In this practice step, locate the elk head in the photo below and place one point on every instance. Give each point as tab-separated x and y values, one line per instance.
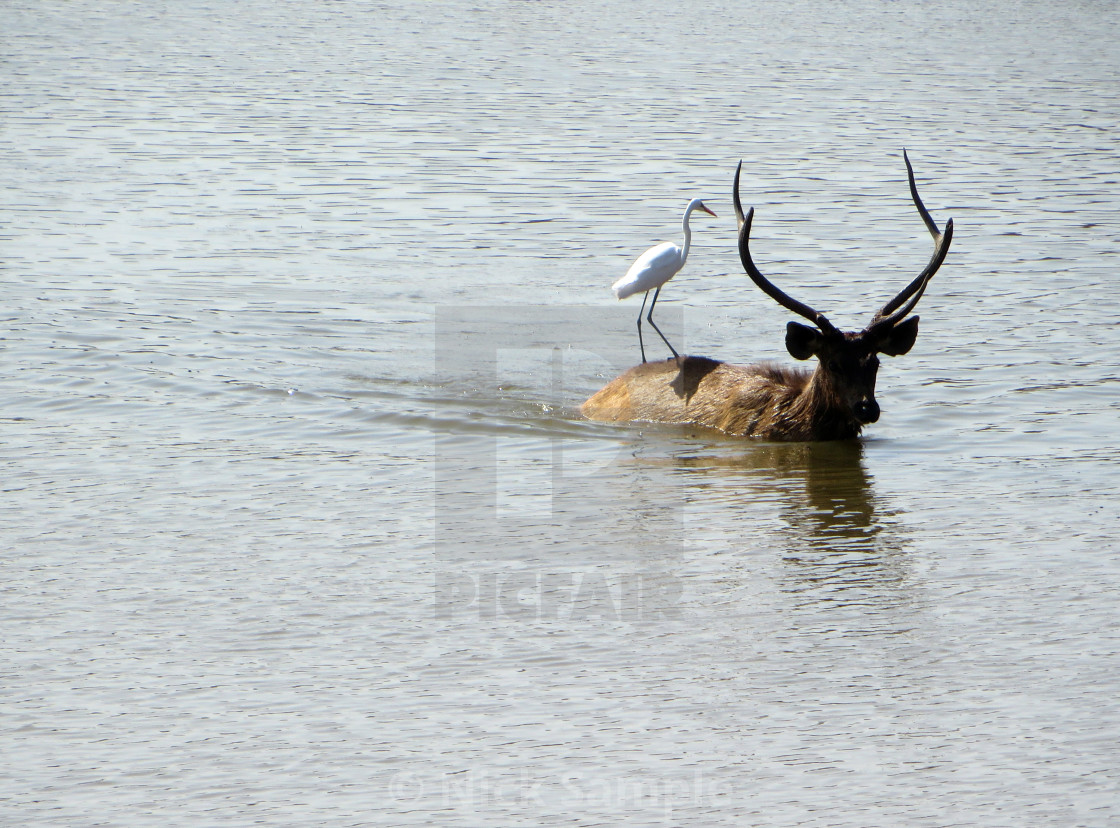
849	362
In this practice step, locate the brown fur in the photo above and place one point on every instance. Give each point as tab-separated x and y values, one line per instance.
766	401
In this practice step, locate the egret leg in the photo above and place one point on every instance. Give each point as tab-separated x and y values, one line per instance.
640	310
649	318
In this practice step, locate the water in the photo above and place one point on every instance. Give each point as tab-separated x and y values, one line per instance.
301	525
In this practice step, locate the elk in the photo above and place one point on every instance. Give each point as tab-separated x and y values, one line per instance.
834	401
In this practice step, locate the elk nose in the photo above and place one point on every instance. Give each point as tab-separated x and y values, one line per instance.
867	411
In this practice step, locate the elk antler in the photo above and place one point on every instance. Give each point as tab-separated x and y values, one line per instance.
787	302
896	310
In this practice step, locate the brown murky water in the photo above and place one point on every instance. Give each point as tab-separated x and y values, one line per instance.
301	524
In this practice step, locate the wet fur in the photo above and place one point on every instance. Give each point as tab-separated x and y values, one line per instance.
766	401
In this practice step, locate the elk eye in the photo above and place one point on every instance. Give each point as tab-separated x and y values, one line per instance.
834	366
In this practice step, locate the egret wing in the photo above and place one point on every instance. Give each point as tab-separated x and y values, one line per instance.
651	270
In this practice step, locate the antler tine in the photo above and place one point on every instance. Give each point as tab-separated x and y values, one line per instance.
926	276
769	289
898	307
739	219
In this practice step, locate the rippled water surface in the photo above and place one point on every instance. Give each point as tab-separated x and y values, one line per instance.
301	524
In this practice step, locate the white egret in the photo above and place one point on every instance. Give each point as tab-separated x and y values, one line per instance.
652	270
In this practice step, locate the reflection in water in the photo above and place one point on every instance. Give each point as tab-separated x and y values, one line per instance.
839	537
831	504
835	532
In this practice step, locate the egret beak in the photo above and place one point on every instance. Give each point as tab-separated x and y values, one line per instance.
709	212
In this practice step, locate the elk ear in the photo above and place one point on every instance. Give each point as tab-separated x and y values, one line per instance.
802	341
899	339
